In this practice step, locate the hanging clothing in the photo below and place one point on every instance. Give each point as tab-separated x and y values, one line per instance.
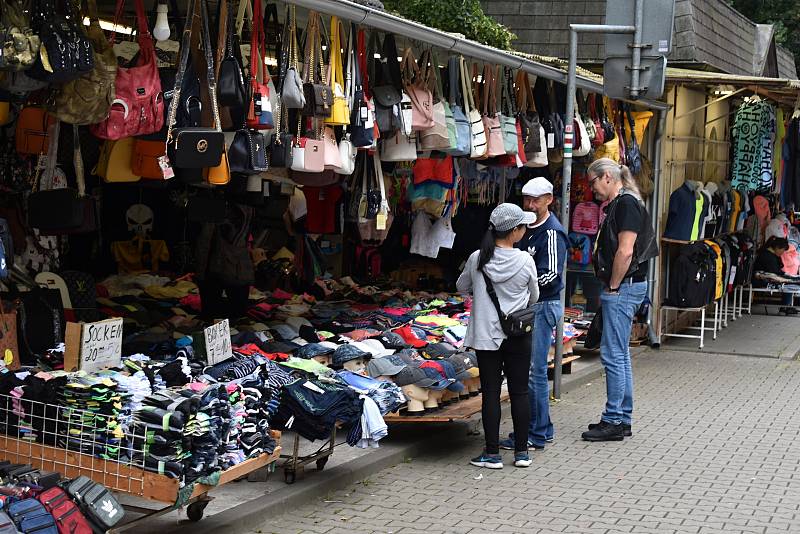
683	217
754	138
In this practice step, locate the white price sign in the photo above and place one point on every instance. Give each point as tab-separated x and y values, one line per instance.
101	345
218	342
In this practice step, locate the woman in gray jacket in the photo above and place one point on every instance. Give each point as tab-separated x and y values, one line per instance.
513	276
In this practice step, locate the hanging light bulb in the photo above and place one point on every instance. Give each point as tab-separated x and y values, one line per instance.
161	30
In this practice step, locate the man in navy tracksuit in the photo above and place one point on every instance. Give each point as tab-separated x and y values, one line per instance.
547	242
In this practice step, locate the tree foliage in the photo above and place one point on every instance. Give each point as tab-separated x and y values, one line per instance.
784	14
455	16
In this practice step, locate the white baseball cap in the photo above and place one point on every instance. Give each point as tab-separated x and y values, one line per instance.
537	187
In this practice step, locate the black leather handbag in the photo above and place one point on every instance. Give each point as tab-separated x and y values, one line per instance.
195	147
69	53
514	324
317	92
248	152
230	86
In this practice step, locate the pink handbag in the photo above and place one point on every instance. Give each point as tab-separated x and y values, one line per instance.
333	158
138	105
416	82
308	155
491	118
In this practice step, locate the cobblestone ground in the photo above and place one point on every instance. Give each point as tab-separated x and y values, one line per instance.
715	449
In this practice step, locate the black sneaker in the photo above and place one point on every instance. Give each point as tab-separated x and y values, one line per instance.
626	428
604	432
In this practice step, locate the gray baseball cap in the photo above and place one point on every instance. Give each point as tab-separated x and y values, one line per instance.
508	216
386	366
413	376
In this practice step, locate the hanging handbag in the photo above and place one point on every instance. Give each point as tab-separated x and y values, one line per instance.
633	156
221	174
607	126
588	122
340	114
21	44
476	126
463	135
65	51
347	154
138	105
386	83
145	158
230	81
530	126
399	147
538	159
280	150
438	170
374	231
248	152
508	118
582	144
259	115
319	97
362	118
195	147
292	95
308	154
115	164
437	137
491	118
33	125
333	159
416	84
87	99
599	133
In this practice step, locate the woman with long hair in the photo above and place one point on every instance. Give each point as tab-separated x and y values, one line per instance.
512	274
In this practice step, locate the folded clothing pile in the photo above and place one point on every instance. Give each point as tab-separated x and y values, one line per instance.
89	418
311	407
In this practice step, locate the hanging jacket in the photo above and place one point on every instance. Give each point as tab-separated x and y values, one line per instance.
681	215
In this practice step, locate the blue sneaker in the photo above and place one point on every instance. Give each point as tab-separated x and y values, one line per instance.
521	459
492	461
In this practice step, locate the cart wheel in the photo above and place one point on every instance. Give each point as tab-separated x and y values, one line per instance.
195	510
289	476
321	463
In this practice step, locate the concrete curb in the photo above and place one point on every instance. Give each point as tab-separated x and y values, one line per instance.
252	514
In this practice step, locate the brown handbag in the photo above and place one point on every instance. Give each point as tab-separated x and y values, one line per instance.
87	100
31	132
144	159
9	347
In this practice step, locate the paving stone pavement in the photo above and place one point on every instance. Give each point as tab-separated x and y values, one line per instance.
714	450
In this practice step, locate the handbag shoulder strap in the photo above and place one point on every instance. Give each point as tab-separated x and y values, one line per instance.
392	74
454	81
379	176
245	7
492	295
352	67
362	67
438	92
469	103
487	89
45	181
336	64
409	67
142	31
78	161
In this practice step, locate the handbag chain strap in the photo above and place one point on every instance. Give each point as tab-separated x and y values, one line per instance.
184	58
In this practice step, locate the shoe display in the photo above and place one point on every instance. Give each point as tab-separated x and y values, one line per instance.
626	428
604	432
491	461
521	459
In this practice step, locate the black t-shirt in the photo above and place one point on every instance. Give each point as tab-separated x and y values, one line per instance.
628	217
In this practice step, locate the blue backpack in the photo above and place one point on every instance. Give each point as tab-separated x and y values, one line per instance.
580	249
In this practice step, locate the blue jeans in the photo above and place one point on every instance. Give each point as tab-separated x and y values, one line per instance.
547	315
618	311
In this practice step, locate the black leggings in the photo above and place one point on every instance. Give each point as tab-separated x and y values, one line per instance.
513	359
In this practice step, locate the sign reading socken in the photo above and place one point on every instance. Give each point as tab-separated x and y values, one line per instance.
91	347
218	342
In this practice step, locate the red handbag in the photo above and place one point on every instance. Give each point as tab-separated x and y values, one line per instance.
259	116
437	170
138	106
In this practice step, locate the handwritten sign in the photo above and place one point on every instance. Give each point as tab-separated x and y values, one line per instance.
91	347
218	342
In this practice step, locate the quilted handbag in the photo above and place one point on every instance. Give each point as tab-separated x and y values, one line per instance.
340	113
318	94
88	98
416	84
491	118
138	105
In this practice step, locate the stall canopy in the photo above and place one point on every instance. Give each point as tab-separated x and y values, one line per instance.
781	90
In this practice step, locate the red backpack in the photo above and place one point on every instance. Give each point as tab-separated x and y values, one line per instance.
69	519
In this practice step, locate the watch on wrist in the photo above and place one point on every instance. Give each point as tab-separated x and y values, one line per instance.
613	289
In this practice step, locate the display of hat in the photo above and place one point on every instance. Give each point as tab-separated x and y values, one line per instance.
413	376
284	332
386	366
438	350
392	340
411	336
462	364
312	349
348	352
439	383
376	348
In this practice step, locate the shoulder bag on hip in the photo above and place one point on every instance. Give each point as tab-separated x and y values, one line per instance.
514	324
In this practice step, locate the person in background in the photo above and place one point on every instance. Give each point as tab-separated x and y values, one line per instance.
769	260
547	242
512	273
625	243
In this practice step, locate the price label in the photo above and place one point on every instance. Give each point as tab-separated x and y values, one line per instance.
101	345
218	342
380	221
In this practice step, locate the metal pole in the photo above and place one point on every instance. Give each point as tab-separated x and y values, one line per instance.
637	49
655	212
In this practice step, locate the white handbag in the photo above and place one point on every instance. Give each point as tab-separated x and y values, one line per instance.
347	153
438	136
308	155
333	160
586	143
478	146
539	159
399	147
406	113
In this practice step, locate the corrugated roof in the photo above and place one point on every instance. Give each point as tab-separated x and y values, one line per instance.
783	90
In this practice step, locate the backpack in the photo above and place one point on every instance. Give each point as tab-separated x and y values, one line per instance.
580	249
96	501
368	262
586	218
68	518
30	516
